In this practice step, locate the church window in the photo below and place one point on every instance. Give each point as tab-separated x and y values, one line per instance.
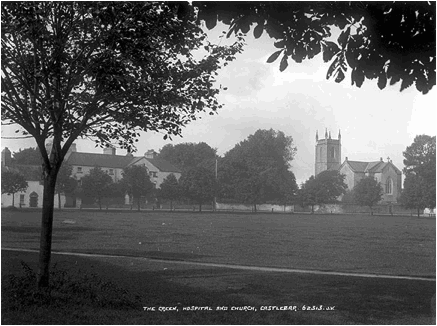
332	152
389	186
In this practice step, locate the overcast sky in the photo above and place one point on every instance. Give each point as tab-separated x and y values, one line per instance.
299	101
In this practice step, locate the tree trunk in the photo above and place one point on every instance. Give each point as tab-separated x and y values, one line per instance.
139	203
13	199
59	200
418	212
254	208
100	203
171	205
46	229
200	207
312	209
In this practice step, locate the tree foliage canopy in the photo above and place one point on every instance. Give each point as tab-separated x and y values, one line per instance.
13	182
187	155
198	185
388	41
420	171
367	192
95	185
136	180
169	189
105	70
27	156
257	169
415	194
325	188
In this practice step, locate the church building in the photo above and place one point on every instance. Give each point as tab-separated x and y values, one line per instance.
328	157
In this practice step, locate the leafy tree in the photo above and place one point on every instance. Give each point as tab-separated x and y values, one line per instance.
367	192
325	188
198	185
414	194
96	184
308	194
13	182
187	155
65	184
137	182
102	70
115	193
388	41
170	190
27	156
255	170
420	160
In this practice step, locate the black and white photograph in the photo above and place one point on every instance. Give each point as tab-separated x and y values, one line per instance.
218	162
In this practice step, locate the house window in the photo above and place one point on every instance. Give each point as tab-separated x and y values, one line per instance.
79	169
21	200
153	174
389	186
111	171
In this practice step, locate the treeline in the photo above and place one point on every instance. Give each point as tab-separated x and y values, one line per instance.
256	171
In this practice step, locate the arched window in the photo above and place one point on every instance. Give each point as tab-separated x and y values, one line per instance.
389	186
332	152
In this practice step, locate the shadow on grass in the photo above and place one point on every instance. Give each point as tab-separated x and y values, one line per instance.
356	300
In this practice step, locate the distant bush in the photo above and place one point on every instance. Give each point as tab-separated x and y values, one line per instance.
66	289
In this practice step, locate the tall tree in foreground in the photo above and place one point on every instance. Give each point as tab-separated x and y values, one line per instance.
389	41
136	181
102	70
367	192
13	182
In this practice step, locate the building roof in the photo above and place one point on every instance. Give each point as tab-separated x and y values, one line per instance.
117	161
370	167
163	165
102	160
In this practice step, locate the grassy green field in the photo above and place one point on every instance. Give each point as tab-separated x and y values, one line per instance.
396	245
389	245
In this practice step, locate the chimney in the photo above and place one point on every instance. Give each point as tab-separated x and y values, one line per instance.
73	148
6	157
150	154
109	150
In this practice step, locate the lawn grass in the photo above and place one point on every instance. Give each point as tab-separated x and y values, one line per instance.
351	243
357	300
397	245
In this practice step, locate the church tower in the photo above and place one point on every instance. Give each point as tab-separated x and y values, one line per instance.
328	153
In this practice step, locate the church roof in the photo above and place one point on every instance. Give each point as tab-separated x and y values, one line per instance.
358	166
370	167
